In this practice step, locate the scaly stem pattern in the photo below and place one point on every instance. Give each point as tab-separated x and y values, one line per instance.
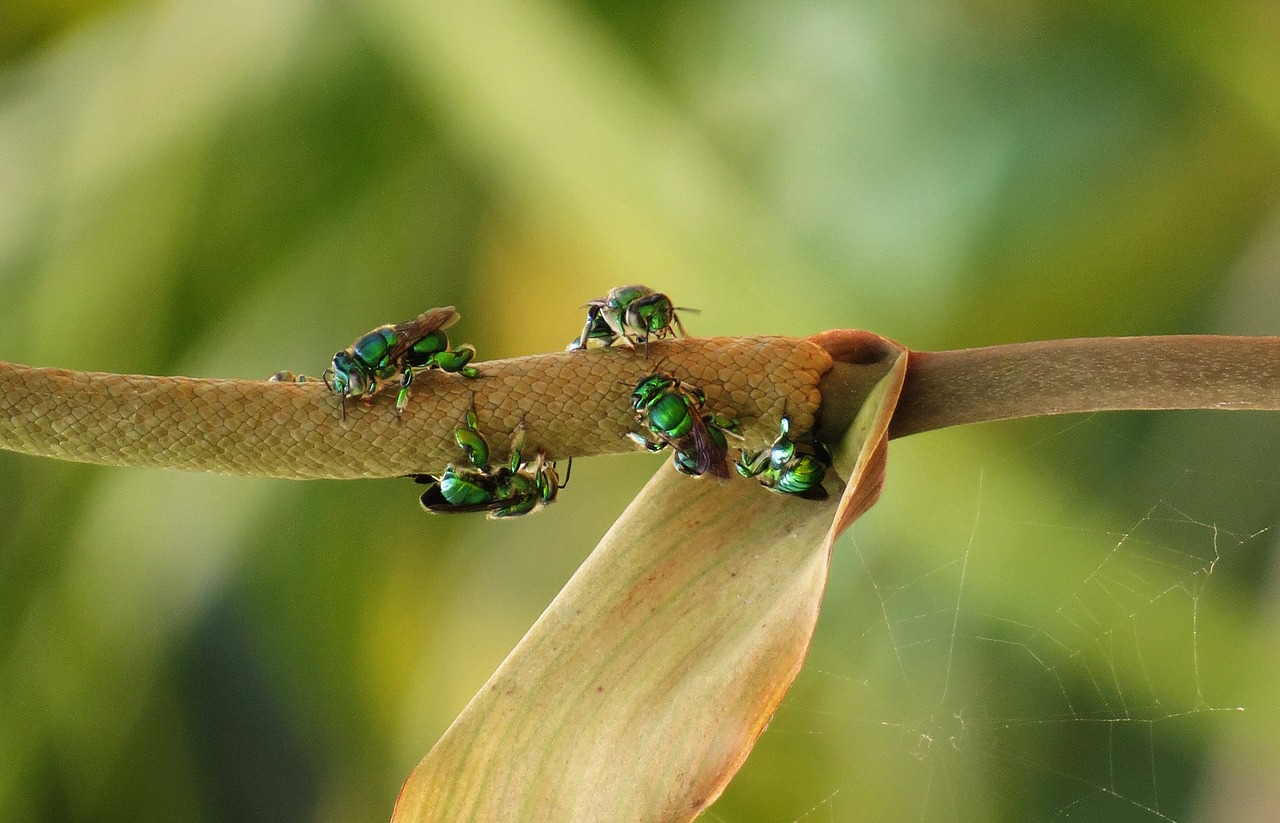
577	404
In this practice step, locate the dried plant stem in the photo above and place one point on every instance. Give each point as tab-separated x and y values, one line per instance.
576	404
952	388
572	404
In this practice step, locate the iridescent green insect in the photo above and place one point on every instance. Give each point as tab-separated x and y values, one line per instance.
632	314
672	412
286	376
792	465
505	491
391	351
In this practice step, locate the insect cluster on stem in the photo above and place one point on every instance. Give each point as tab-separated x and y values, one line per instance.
669	411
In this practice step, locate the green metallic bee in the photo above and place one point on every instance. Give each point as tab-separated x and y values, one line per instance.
792	465
390	351
505	491
286	376
672	412
632	314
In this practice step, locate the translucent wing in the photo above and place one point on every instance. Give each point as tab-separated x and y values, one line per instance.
411	331
434	502
708	455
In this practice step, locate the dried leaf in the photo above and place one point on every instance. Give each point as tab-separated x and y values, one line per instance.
640	691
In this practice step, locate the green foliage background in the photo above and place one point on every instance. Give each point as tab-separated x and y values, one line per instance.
1043	620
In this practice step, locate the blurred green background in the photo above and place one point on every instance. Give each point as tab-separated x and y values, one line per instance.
1072	619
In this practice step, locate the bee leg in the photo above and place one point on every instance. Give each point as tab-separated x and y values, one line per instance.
517	446
647	444
728	425
367	397
474	446
750	466
619	331
516	509
456	360
686	464
402	397
580	342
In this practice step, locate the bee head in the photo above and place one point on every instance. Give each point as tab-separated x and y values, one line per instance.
345	377
652	313
650	389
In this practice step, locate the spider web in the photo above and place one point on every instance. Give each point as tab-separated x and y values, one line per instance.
941	688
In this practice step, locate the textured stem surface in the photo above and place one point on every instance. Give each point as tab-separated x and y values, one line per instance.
573	404
577	404
951	388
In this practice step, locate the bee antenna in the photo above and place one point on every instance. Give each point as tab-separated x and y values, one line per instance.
567	472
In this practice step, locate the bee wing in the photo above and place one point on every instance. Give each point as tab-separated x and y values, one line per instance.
411	331
443	506
709	456
434	502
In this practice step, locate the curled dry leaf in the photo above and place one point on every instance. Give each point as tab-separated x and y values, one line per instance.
640	691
